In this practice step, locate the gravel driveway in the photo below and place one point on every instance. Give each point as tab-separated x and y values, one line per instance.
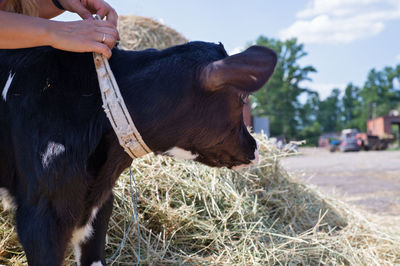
370	180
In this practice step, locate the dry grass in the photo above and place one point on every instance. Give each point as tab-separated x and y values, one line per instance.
192	214
138	33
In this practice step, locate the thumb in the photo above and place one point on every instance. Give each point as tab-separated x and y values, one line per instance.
81	10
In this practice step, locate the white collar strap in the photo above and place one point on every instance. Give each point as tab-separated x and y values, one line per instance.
116	111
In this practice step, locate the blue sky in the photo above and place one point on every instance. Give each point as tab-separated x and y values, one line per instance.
344	38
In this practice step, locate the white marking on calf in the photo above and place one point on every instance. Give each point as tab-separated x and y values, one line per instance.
97	263
7	86
7	200
181	154
81	235
77	254
52	151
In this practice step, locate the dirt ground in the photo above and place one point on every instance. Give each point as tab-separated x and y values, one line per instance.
370	180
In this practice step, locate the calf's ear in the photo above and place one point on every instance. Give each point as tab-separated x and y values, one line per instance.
247	71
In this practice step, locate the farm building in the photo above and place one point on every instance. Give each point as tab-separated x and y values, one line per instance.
382	126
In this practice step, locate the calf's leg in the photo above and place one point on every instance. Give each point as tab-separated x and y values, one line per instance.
43	238
92	251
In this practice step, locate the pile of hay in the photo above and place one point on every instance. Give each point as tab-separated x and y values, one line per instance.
138	33
191	214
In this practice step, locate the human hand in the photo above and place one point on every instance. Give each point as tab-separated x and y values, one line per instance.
83	36
85	9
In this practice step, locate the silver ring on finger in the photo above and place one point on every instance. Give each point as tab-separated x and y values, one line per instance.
104	38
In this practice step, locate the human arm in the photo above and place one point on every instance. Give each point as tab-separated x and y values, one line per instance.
20	31
84	8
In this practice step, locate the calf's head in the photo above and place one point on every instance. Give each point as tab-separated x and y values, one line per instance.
192	106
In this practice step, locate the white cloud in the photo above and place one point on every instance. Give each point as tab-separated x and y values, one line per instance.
335	7
398	58
341	21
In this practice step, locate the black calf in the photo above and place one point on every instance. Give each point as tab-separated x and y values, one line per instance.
59	157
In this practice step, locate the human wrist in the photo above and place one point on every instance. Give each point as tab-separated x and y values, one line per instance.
49	33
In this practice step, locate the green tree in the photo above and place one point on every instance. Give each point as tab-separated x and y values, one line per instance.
308	112
350	102
329	112
352	107
279	99
379	94
310	129
311	133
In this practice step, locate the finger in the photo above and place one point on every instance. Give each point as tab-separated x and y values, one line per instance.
112	16
102	49
106	39
102	12
81	10
104	23
110	41
109	31
110	12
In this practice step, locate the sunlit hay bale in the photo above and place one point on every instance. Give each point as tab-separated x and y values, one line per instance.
139	33
195	215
